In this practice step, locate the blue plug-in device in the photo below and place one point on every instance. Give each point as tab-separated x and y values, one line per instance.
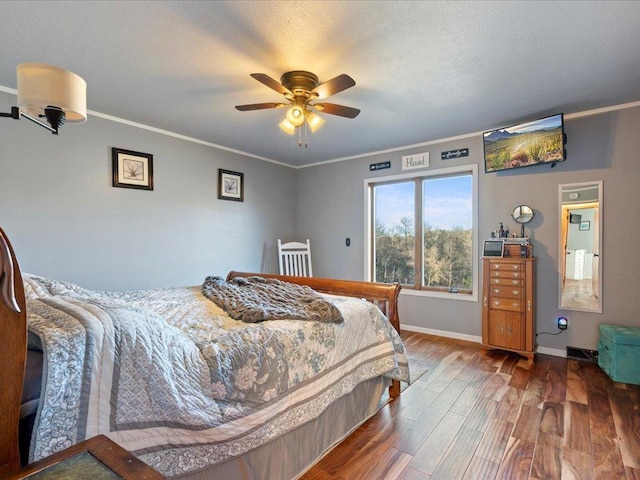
563	323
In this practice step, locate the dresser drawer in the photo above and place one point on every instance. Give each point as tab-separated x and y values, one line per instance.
503	291
506	274
507	282
507	267
509	304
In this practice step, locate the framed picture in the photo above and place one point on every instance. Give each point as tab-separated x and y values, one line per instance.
230	185
586	225
493	248
132	169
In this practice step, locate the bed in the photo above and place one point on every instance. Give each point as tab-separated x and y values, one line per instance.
176	381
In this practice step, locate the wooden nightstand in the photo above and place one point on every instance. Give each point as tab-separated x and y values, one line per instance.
97	459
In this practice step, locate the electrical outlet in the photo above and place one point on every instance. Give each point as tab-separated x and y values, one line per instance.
563	323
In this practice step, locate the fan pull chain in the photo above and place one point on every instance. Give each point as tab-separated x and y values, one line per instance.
302	136
304	125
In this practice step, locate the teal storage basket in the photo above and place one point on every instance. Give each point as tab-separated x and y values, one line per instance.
619	352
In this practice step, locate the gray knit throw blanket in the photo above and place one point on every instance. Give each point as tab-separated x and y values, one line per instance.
254	299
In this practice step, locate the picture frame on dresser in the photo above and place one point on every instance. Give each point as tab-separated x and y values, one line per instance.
493	248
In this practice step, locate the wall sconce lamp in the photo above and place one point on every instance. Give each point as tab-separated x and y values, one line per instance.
49	92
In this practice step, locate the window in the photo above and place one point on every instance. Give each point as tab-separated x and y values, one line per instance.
422	231
394	239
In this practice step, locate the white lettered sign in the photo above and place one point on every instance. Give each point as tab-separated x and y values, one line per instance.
417	160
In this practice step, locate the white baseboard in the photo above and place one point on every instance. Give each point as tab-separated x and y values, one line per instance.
442	333
556	352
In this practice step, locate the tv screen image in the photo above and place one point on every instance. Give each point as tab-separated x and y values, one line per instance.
526	144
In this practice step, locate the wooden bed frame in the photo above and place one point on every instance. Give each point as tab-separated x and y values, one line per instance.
13	336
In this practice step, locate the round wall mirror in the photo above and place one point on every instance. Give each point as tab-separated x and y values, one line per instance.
522	214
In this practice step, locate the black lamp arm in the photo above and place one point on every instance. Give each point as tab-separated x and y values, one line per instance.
15	113
58	115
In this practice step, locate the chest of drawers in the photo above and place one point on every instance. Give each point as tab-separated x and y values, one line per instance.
508	306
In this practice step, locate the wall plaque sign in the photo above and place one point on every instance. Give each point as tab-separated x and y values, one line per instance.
379	166
460	152
417	160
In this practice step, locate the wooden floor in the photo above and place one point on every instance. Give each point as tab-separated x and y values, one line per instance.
579	294
478	414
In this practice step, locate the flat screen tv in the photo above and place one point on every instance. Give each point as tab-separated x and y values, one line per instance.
524	145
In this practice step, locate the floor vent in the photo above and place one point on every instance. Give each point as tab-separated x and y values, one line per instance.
583	354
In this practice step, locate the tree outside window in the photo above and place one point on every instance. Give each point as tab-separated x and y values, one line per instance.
425	244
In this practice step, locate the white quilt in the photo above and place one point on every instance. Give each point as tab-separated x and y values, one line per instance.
170	377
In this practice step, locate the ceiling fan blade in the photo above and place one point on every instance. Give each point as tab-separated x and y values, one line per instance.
259	106
335	85
271	83
340	110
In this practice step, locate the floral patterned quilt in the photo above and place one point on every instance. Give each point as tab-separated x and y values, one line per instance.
170	377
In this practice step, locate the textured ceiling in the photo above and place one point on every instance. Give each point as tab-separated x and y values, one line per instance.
423	70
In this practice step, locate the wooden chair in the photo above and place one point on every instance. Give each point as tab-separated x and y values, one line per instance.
294	259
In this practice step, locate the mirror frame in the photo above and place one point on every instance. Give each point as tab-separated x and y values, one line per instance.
598	223
520	208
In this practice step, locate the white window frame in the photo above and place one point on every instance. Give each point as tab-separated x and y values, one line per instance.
369	183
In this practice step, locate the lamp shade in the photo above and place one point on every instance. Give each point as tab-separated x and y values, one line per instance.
287	126
41	86
314	121
295	115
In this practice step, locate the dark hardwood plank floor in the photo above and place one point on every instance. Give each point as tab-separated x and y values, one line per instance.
485	415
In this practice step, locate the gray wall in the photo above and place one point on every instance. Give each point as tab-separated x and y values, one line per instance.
601	147
67	222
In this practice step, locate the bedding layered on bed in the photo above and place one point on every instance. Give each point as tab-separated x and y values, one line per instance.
173	379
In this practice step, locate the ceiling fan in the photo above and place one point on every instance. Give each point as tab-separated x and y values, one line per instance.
302	90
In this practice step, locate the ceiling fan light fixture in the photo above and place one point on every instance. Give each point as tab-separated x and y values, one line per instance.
287	127
295	115
314	121
302	89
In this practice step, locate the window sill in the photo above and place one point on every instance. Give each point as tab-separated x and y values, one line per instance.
444	295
